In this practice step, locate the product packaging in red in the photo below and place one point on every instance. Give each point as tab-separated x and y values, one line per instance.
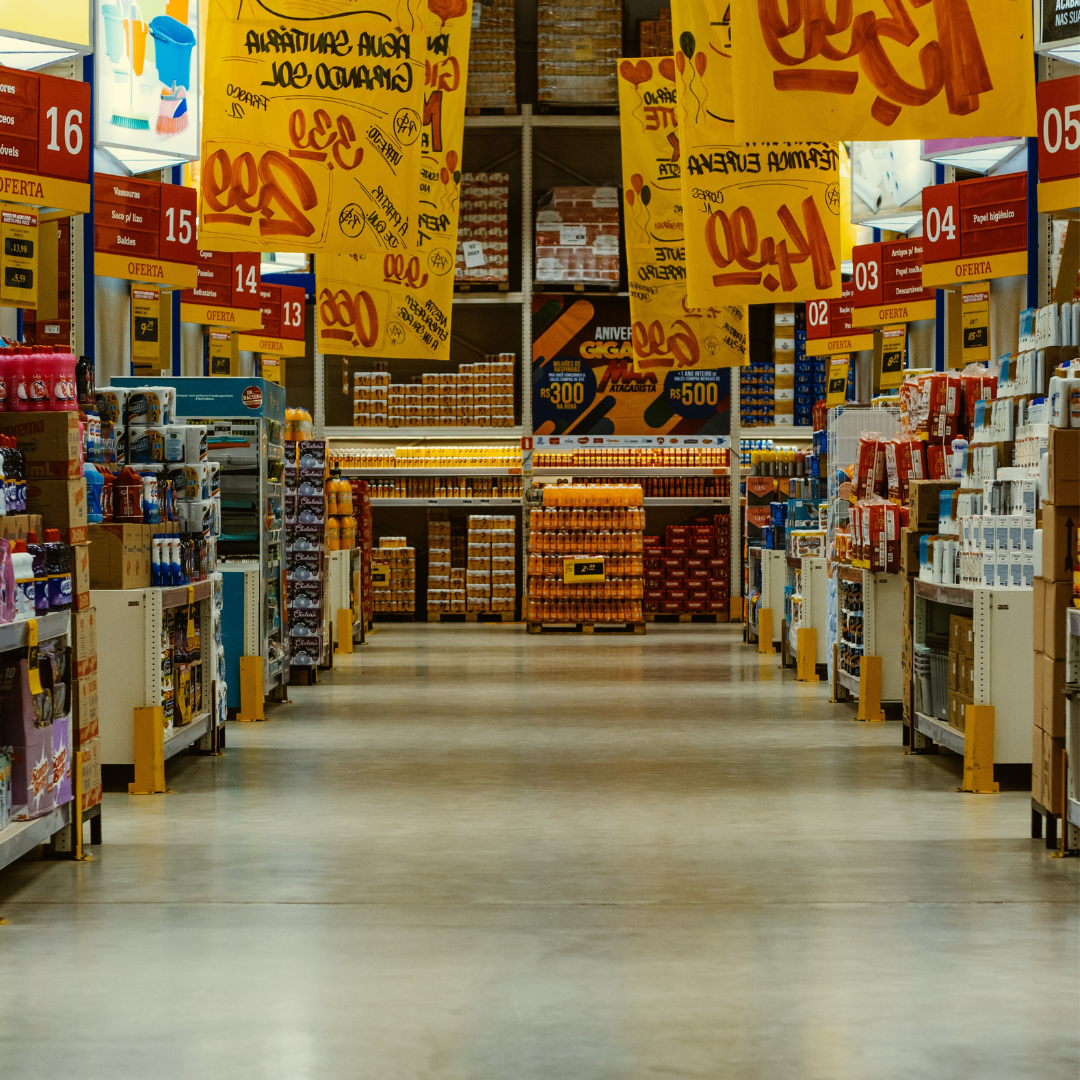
694	605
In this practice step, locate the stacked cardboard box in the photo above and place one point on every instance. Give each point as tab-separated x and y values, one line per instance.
305	547
483	252
440	596
1053	594
689	570
578	46
654	35
490	571
84	701
398	592
577	236
365	539
492	66
961	669
784	364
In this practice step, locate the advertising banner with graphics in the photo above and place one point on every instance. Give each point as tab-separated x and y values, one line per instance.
311	128
882	69
762	220
701	30
667	332
584	382
418	280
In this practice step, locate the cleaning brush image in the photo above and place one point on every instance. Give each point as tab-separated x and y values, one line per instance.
173	113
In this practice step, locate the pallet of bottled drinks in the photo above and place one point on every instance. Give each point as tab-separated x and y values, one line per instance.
586	561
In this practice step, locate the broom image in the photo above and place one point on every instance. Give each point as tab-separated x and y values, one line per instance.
135	40
173	111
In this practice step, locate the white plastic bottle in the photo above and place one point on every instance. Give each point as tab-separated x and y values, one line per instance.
23	564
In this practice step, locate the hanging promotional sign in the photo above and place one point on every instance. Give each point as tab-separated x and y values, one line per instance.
227	294
19	257
701	30
281	308
667	332
44	141
829	327
893	345
1059	142
975	322
836	393
311	136
1057	25
418	279
144	231
221	354
888	283
146	326
146	78
975	229
584	382
762	221
882	69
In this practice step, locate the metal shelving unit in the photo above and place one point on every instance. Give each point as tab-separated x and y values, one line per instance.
407	436
21	837
445	502
398	474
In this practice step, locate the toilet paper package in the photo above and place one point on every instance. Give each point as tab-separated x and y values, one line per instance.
110	404
195	436
146	445
198	516
193	480
153	405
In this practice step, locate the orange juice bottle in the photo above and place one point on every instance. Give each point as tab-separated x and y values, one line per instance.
348	530
333	534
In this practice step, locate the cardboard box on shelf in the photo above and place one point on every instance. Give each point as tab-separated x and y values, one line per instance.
120	556
85	699
1053	772
954	669
1063	446
962	635
1059	541
1037	779
1057	597
62	505
1038	610
50	441
957	703
1052	674
924	502
80	577
909	553
91	773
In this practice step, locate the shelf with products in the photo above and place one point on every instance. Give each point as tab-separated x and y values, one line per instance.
425	488
427	461
405	436
477	502
21	837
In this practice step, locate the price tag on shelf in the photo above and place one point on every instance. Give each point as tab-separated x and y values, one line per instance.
380	575
473	251
893	341
581	571
838	380
19	261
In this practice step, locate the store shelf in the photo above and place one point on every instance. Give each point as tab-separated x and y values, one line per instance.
449	470
701	501
23	836
496	120
13	635
405	435
754	552
852	574
954	595
552	120
940	732
848	681
1072	620
178	596
602	472
1072	811
177	739
488	298
778	433
445	502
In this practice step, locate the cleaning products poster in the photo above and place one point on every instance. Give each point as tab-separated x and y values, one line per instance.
147	76
401	302
584	382
883	69
312	124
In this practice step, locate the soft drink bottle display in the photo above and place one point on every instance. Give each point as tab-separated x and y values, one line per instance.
41	574
58	565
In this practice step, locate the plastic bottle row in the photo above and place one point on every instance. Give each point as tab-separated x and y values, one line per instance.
615	565
40	579
554	588
180	559
585	611
340	533
41	378
593	495
586	543
551	518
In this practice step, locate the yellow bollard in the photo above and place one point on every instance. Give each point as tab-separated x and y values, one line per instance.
979	750
251	689
764	631
870	689
149	752
806	655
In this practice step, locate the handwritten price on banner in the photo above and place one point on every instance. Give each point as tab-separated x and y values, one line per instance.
314	143
275	188
652	342
397	270
741	244
353	318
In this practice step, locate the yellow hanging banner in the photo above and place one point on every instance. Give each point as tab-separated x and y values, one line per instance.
883	69
311	125
762	220
701	30
401	302
666	331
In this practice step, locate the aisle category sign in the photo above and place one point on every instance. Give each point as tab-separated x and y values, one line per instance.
667	331
404	297
975	229
19	257
227	293
282	309
44	141
1059	143
888	283
883	69
311	128
829	326
893	346
144	231
762	220
975	322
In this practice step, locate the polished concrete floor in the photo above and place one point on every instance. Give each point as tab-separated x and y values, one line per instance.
471	854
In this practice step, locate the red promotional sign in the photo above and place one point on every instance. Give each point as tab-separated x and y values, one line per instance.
1059	143
227	292
888	279
974	230
282	308
829	326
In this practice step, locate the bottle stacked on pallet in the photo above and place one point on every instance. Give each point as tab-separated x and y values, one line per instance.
439	595
688	571
601	524
490	576
396	593
305	546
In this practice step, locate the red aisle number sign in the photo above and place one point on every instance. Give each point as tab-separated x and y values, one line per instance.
1059	128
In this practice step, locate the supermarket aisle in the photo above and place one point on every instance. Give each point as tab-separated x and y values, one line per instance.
475	855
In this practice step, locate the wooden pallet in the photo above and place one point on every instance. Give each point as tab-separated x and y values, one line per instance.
554	108
481	286
603	288
471	616
689	617
586	628
303	675
491	110
1039	813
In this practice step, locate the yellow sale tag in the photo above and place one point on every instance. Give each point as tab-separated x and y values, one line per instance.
311	126
893	342
19	258
838	381
221	352
380	575
883	69
581	571
145	324
975	321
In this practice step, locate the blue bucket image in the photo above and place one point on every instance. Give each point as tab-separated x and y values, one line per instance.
115	41
173	42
